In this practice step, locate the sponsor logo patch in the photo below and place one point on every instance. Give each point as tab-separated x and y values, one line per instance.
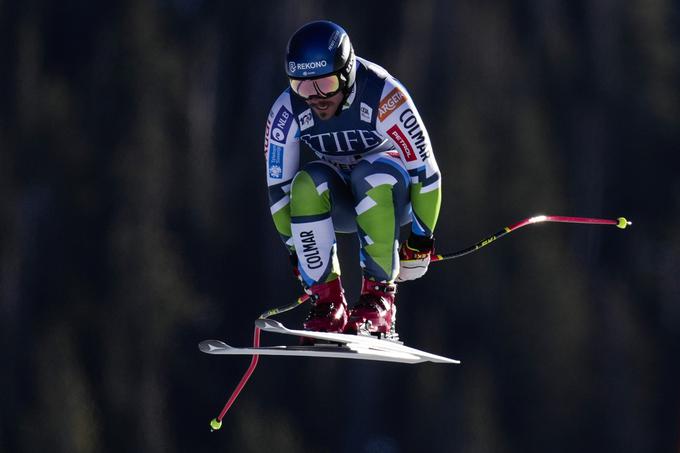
390	103
333	41
275	161
342	141
310	250
306	119
398	136
281	125
308	68
366	112
408	119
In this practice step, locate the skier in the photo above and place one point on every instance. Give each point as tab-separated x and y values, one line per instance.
375	172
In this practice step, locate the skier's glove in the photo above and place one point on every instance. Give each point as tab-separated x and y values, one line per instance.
414	256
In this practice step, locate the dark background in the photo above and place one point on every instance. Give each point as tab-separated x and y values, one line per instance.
134	223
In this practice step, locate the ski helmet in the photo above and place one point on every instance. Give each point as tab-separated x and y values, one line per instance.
319	49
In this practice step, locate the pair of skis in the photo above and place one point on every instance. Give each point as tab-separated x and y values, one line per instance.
335	345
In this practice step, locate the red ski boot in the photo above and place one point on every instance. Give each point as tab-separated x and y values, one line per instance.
329	307
375	313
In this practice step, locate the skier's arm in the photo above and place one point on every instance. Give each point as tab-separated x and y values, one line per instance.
282	152
398	119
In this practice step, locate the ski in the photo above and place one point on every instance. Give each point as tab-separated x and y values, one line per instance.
361	341
345	351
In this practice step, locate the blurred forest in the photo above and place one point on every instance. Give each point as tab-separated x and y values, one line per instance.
134	223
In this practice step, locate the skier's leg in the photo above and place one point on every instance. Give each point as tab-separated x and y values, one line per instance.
380	186
319	196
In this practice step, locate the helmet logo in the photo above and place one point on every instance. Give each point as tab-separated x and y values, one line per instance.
308	68
333	42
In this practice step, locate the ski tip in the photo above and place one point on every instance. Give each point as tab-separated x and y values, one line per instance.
441	359
268	324
210	346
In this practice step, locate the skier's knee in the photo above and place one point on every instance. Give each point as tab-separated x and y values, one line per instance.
308	198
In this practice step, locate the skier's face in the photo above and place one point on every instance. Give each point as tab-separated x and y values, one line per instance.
325	108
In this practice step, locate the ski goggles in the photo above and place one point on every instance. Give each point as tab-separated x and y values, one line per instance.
323	87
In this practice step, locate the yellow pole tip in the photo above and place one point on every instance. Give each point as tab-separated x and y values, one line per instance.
623	223
215	424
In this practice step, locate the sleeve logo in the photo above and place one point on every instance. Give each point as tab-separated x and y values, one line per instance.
275	161
281	125
390	103
398	137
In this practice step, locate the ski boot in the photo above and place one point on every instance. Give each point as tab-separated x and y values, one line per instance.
375	313
329	307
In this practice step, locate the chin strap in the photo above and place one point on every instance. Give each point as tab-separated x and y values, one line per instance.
351	82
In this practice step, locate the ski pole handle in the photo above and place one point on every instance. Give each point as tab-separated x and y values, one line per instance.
620	222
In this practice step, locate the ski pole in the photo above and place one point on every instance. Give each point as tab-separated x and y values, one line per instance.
216	423
620	222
